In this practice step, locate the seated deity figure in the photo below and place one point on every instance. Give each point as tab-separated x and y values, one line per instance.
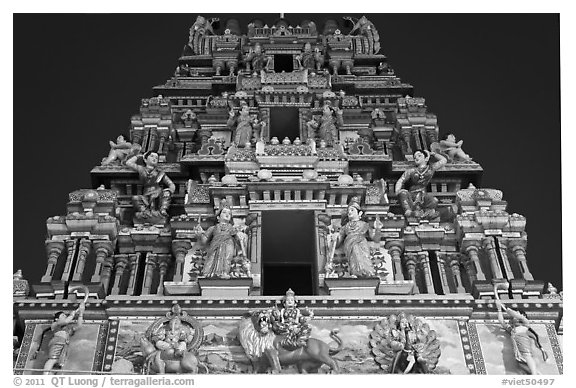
201	135
292	322
247	128
453	148
325	127
256	60
224	241
353	234
121	151
152	206
173	341
310	60
523	338
415	201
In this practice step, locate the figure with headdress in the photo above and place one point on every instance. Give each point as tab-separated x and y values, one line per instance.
246	128
292	322
224	240
326	126
307	60
353	232
523	338
121	151
365	27
256	60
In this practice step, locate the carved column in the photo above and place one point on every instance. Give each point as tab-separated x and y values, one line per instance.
218	66
490	247
162	143
406	135
71	252
425	263
442	260
106	272
53	249
395	248
83	251
410	261
179	249
153	139
348	65
505	260
134	263
518	248
454	263
335	65
103	251
471	248
163	261
120	264
415	133
151	262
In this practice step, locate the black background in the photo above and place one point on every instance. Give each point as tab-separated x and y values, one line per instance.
493	80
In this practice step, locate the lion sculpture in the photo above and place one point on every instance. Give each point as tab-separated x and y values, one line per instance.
405	344
262	346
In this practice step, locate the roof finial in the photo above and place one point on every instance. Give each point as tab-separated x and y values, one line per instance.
281	15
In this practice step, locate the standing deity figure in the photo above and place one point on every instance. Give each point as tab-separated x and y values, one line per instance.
292	322
365	27
224	241
449	146
325	127
256	60
121	151
158	188
353	232
523	338
415	200
247	128
62	329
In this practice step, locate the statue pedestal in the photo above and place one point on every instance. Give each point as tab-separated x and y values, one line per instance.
352	287
225	288
181	288
533	289
396	287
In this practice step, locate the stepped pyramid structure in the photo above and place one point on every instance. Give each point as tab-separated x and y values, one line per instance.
285	157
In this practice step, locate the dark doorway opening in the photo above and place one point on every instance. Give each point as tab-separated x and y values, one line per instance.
283	62
288	252
284	123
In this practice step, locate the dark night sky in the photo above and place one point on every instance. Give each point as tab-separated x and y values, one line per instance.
493	80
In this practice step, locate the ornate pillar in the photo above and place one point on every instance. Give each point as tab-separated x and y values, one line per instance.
471	248
54	249
218	66
335	65
134	263
71	252
490	246
425	263
162	142
348	65
406	133
163	261
179	249
395	248
103	250
454	264
504	255
151	261
410	261
518	248
106	272
120	264
83	251
153	139
442	261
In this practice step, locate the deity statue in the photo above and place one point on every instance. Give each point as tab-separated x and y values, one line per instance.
61	330
247	128
201	27
365	27
325	127
310	60
415	200
452	148
292	322
224	241
201	135
256	60
356	247
173	340
152	205
523	338
121	151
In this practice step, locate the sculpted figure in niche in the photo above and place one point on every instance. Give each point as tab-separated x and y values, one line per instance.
449	146
353	232
310	60
524	338
365	27
256	60
292	322
121	151
414	199
158	188
247	128
190	120
325	127
173	341
224	240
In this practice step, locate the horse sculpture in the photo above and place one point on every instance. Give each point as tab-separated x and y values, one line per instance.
262	346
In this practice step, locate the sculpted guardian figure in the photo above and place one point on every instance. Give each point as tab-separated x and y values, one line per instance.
246	128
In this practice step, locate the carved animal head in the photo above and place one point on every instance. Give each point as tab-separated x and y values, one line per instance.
262	321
